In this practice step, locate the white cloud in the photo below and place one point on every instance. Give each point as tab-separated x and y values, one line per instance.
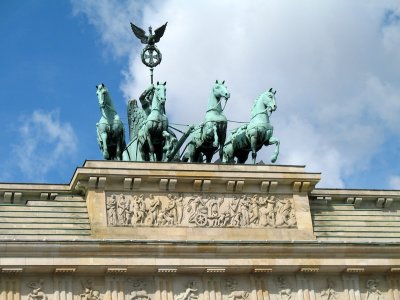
111	18
45	144
394	182
333	64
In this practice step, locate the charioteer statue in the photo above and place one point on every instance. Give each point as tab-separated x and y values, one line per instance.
152	138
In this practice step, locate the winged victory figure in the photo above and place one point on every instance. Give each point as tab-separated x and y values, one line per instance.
150	39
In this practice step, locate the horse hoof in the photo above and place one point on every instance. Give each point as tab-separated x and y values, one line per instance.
273	159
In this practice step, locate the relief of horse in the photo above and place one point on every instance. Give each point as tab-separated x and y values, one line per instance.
110	129
211	134
252	136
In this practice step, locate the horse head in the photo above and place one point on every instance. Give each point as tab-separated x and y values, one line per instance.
160	91
220	90
270	101
101	92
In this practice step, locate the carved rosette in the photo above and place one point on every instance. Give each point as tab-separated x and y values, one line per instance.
200	210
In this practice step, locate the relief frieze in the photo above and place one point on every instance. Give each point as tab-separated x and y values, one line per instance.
200	210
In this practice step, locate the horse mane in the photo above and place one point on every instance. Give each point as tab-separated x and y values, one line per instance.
109	102
262	95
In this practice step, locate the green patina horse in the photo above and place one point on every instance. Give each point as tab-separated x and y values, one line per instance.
151	135
253	135
211	134
110	129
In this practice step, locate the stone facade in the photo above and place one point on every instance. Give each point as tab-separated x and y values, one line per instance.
164	231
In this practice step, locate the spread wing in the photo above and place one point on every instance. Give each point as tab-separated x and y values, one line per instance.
140	33
136	118
159	32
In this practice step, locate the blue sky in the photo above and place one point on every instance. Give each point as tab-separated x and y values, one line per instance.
335	67
51	62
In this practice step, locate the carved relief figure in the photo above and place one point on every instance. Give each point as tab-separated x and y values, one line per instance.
111	206
329	293
197	210
283	213
36	293
137	209
373	293
153	210
139	292
212	210
231	286
122	209
190	293
234	214
254	210
89	293
267	213
200	210
179	208
285	291
170	211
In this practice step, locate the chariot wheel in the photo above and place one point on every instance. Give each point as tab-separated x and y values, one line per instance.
201	220
151	56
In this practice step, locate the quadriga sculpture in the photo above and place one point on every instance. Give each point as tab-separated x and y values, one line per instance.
110	129
252	136
211	134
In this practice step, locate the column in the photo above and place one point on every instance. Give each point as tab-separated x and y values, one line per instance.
114	288
62	287
393	291
206	293
164	288
258	288
10	288
305	287
351	287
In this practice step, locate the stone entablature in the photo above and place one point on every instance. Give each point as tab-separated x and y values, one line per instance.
198	201
247	202
209	286
162	231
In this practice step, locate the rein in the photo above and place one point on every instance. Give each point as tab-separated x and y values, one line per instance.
214	108
265	111
108	107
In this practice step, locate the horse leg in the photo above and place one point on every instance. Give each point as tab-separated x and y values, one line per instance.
273	140
143	153
147	135
225	153
228	154
253	143
209	155
103	137
141	144
222	139
215	142
189	152
242	157
102	134
192	153
121	146
151	148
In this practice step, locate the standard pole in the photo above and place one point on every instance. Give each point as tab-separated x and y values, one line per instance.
151	75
